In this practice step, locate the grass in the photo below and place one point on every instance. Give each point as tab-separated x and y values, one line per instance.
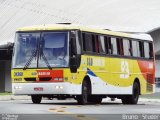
6	93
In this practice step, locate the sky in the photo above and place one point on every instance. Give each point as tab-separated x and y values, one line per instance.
117	15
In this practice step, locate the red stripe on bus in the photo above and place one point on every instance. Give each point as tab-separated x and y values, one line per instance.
147	70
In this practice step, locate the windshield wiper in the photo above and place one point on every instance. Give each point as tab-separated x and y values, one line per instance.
34	53
45	60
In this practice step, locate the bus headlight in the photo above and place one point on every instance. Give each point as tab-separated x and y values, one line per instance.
61	87
58	87
18	87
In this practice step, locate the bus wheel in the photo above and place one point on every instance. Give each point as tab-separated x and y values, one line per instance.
132	99
83	98
36	99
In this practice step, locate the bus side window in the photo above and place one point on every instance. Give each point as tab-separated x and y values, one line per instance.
146	49
108	45
134	48
87	42
126	46
95	43
120	50
101	44
83	38
141	48
150	50
130	48
113	46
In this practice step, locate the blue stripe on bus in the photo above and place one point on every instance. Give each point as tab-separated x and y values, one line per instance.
90	72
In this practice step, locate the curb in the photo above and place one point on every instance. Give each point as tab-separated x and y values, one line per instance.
140	100
149	100
13	97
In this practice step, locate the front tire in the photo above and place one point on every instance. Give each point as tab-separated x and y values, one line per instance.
36	99
132	99
83	98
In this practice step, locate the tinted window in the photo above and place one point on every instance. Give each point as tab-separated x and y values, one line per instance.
126	46
113	46
141	49
150	50
146	49
108	45
134	48
87	42
101	44
120	46
130	48
94	43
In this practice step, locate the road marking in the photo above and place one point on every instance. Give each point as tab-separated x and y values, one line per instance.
79	117
52	109
61	109
83	117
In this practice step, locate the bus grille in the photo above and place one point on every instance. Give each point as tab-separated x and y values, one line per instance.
39	79
45	78
30	79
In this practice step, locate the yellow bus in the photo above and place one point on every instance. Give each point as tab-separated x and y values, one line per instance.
87	64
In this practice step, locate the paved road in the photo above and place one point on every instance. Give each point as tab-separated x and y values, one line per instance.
70	107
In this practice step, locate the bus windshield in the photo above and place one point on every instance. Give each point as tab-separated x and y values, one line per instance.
41	50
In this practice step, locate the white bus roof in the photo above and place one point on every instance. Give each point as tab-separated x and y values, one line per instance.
46	27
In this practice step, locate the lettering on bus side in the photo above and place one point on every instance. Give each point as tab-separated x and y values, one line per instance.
89	61
95	62
124	69
44	73
98	62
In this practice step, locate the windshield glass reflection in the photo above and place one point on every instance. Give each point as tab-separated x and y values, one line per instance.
49	51
25	48
54	49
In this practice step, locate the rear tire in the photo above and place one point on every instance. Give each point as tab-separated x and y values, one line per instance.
36	99
132	99
86	91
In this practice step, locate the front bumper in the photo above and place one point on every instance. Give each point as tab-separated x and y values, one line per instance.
45	88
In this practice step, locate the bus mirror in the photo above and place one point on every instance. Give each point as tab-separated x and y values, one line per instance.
73	64
73	47
73	52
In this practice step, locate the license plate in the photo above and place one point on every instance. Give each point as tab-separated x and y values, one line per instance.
38	89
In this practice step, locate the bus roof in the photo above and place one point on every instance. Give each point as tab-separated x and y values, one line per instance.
85	28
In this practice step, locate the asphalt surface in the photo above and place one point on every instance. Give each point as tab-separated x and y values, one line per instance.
68	110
